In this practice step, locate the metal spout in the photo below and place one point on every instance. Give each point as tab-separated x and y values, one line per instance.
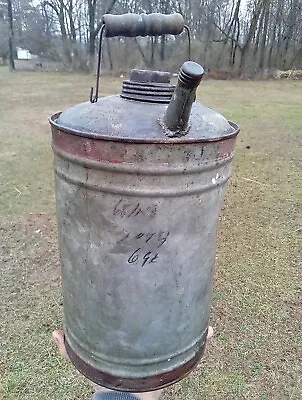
176	119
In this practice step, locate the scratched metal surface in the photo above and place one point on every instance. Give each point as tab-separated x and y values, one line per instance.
137	241
115	118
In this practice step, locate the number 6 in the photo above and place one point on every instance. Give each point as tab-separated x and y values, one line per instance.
134	257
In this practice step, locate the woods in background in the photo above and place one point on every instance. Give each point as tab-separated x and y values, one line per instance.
242	36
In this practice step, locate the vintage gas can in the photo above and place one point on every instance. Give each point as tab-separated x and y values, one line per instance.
140	180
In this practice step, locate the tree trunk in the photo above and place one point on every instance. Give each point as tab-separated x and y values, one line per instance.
264	35
231	33
145	59
280	12
162	48
93	32
276	34
153	46
58	8
10	36
247	43
164	5
259	33
292	20
273	36
65	40
91	17
236	33
109	54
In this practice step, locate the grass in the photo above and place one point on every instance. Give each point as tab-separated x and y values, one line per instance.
256	352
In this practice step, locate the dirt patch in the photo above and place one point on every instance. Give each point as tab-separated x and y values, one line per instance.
30	241
31	308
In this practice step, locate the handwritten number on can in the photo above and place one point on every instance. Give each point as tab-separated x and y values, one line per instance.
149	257
134	257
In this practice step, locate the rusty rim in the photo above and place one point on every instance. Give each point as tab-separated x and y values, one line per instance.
130	384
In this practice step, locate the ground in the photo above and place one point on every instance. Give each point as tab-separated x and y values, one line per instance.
256	352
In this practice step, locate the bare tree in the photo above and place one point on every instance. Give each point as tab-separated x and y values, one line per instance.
95	26
239	35
266	14
10	36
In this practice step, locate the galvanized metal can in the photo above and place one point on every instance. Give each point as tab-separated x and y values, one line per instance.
137	219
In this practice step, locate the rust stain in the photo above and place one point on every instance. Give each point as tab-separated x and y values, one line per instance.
131	384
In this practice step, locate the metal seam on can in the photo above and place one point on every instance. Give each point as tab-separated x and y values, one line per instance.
138	192
116	360
128	168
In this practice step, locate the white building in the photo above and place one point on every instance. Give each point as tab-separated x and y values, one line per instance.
23	54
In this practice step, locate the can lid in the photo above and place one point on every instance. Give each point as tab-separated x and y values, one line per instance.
148	86
136	114
143	75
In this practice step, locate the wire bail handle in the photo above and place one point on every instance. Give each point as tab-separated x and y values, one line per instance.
132	25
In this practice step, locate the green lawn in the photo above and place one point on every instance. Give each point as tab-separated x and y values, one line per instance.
257	308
